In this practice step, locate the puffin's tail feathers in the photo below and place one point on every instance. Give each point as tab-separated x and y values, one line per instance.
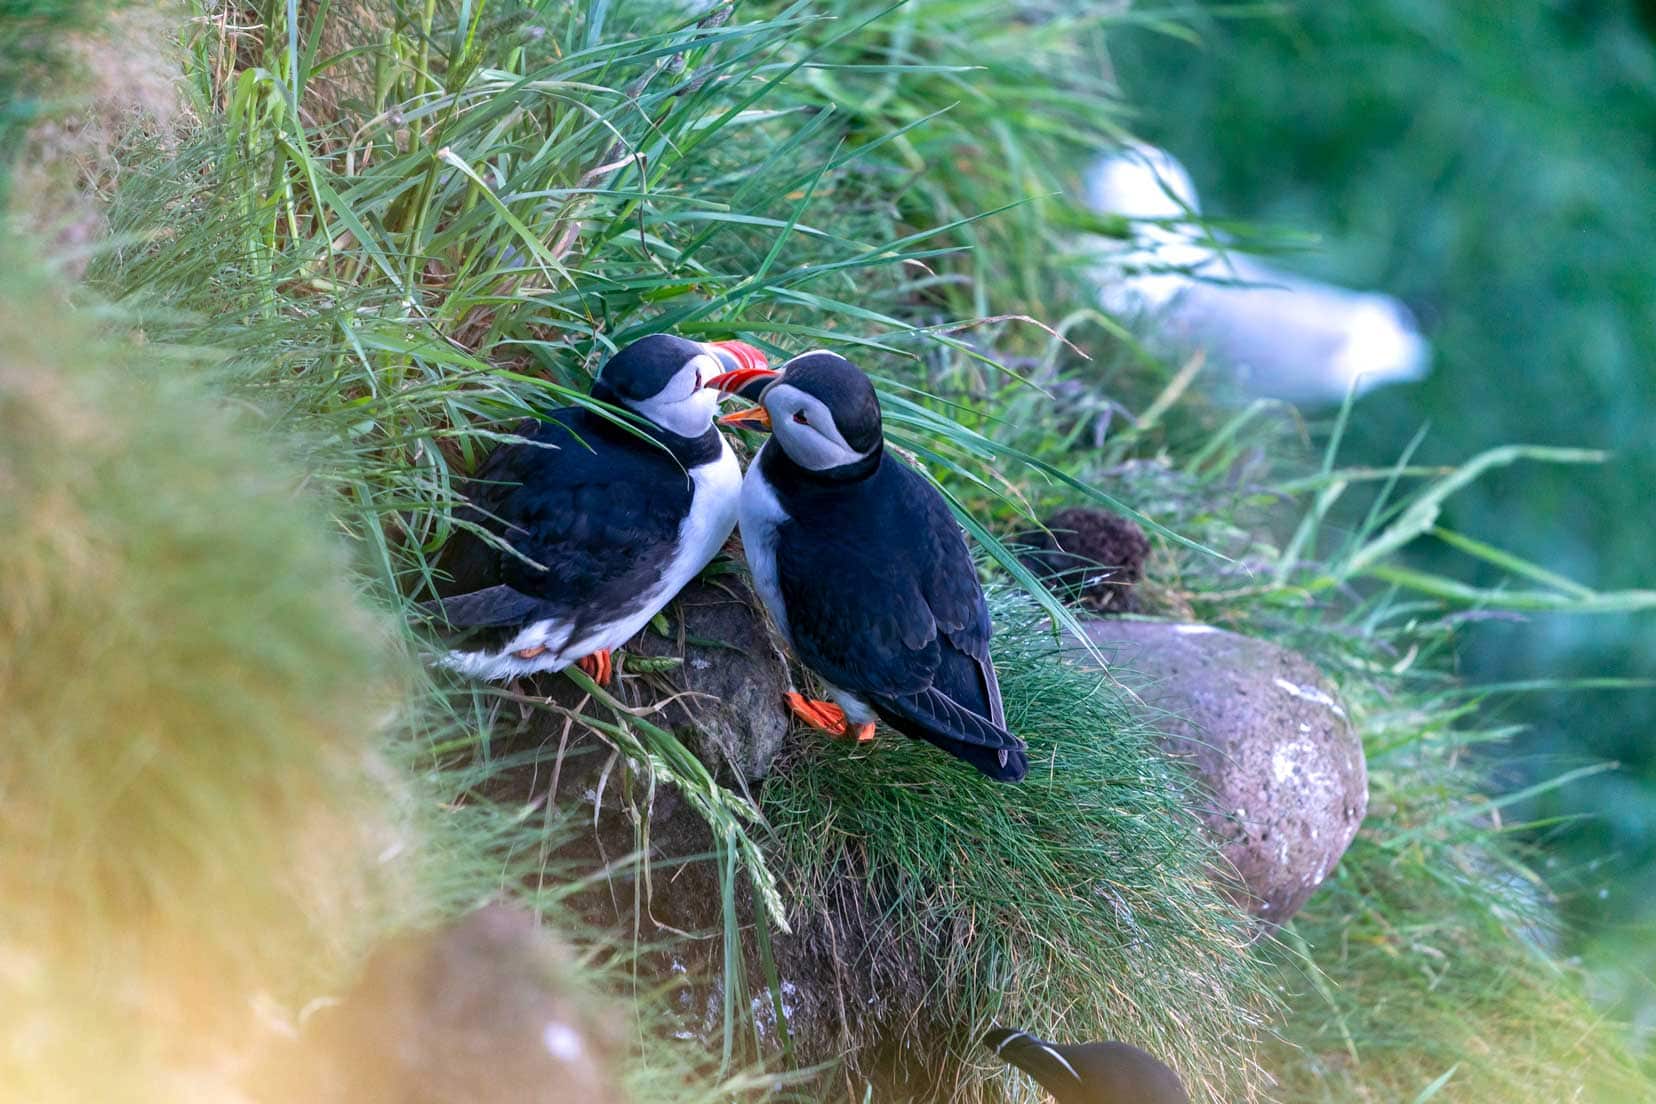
1001	764
938	712
496	605
939	720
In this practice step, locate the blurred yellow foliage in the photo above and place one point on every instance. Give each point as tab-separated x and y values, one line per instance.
190	807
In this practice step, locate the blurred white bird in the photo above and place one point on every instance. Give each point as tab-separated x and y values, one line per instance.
1284	336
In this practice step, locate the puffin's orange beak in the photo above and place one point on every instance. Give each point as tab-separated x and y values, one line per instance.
754	417
748	378
739	381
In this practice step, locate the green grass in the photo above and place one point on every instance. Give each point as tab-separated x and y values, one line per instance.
931	904
35	34
192	798
398	233
1493	174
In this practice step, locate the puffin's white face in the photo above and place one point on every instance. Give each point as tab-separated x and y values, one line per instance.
686	405
803	426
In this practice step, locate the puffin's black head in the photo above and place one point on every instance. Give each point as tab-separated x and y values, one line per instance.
1091	1073
821	408
666	379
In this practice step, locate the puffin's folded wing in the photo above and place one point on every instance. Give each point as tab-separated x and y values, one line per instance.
587	528
937	712
496	605
948	579
865	627
853	620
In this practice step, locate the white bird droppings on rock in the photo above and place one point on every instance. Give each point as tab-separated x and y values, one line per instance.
1311	694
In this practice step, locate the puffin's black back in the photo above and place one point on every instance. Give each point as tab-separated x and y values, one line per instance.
1090	1073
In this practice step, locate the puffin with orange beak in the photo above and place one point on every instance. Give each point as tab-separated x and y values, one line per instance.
597	522
864	569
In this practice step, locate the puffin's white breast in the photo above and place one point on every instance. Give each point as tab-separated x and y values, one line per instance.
761	516
713	509
716	487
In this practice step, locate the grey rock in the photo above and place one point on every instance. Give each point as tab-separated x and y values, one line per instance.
1264	732
478	1012
731	671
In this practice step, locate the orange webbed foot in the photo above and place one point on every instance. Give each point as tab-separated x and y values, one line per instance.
820	715
598	666
863	733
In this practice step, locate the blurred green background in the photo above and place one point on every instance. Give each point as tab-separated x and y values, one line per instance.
1495	167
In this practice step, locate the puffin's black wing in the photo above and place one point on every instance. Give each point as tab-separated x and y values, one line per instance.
961	711
590	511
883	600
495	605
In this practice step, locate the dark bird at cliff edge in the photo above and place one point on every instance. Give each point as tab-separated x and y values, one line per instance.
1089	1073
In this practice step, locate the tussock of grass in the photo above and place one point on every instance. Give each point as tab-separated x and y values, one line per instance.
192	807
933	903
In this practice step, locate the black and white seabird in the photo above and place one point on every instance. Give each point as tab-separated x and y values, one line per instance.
606	521
1090	1073
865	571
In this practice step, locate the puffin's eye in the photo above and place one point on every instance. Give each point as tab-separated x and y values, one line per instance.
698	379
799	416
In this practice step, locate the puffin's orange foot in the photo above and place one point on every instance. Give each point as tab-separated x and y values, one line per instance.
598	666
820	715
864	732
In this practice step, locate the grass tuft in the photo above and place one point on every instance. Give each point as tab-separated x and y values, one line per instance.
933	904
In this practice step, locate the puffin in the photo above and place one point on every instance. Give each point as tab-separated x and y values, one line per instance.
1090	1073
605	519
864	570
